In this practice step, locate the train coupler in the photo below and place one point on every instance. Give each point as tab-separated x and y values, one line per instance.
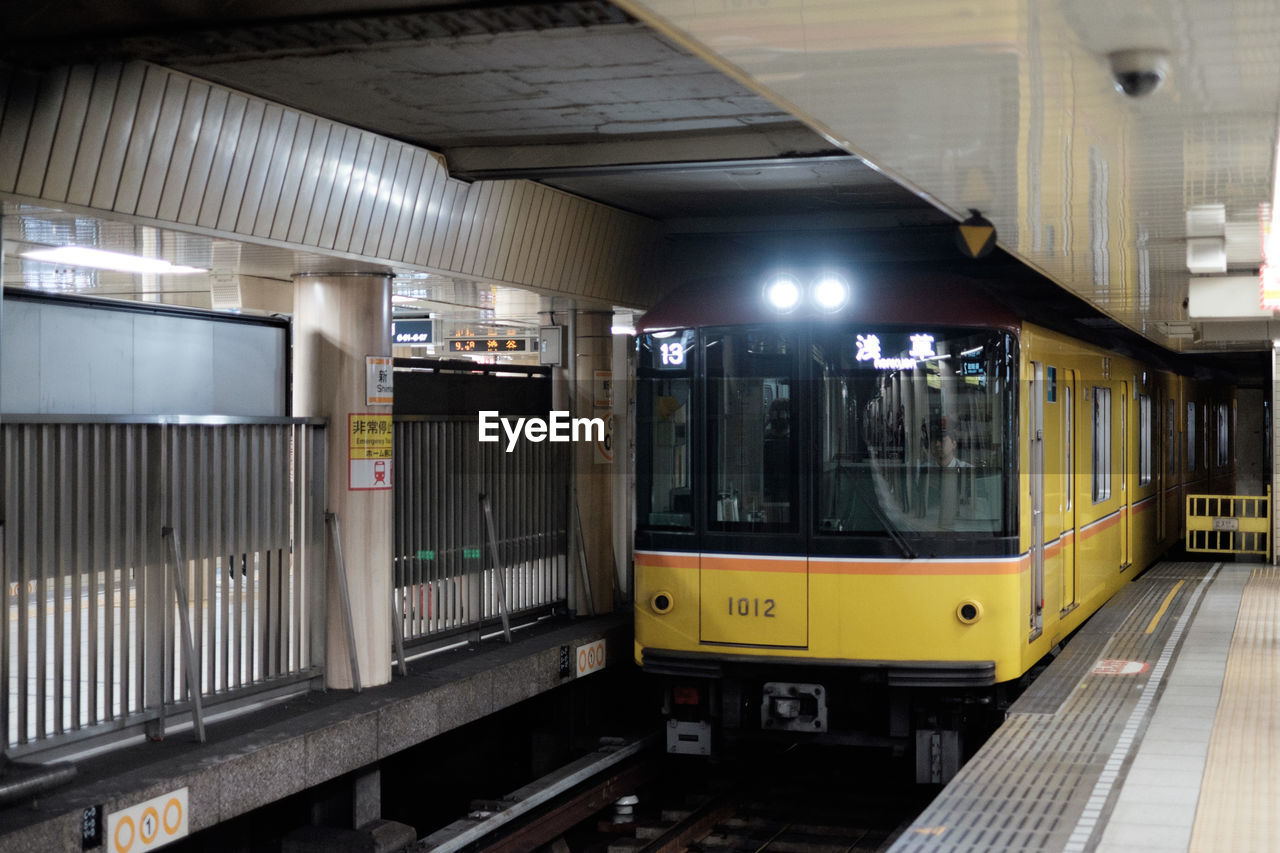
790	707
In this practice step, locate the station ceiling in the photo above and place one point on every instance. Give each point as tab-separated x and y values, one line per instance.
692	119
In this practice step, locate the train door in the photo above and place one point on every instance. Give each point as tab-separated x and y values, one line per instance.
1036	472
753	588
1125	509
1070	570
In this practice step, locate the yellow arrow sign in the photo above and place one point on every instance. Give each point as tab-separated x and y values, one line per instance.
977	236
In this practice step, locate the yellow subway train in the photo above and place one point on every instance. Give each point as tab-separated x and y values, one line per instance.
868	506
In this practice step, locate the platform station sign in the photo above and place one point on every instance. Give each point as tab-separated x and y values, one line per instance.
148	825
369	451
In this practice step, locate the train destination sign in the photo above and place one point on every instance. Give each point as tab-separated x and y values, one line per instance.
488	344
870	349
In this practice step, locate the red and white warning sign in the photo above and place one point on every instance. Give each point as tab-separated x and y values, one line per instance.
1109	666
369	451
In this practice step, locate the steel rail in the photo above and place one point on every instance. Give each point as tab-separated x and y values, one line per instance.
610	774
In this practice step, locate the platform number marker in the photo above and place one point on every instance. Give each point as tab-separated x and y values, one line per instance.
148	825
91	828
566	662
590	658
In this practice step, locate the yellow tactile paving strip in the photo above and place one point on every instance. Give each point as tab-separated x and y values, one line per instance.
1239	808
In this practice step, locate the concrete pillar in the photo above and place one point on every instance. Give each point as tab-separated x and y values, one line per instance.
593	350
1275	449
623	461
339	319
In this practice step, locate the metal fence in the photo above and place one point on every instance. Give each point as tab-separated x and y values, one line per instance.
1229	524
444	580
105	519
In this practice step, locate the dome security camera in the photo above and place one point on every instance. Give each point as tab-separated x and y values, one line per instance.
1139	71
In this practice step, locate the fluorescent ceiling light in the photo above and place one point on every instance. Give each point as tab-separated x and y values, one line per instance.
401	300
79	256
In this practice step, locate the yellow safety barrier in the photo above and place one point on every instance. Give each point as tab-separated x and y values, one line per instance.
1229	524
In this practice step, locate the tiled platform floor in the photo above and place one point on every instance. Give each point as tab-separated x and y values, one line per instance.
1184	755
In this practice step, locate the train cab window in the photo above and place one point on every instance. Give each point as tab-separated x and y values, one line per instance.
752	444
913	432
664	494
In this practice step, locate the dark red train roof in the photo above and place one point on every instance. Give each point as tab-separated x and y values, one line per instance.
877	296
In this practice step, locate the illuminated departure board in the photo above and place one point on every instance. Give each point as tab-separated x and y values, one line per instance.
488	344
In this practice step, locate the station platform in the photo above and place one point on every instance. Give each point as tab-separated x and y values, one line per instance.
258	757
1154	730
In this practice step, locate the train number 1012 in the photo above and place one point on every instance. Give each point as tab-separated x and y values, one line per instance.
751	607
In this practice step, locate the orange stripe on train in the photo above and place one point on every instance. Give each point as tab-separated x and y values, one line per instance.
1010	566
753	564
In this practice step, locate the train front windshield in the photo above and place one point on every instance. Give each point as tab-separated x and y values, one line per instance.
871	433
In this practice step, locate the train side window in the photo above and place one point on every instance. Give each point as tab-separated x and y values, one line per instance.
1191	437
1224	439
1145	440
1068	434
1101	444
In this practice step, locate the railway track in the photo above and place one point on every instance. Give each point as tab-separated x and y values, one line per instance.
797	800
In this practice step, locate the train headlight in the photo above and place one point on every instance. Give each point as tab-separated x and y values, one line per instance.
782	293
969	611
661	603
831	293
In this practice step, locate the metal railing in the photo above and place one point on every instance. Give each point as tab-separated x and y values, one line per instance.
1229	524
96	513
444	580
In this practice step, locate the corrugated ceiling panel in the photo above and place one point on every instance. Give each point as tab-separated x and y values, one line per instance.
161	153
241	162
377	240
40	132
70	129
353	187
141	134
366	195
224	154
184	149
124	106
308	182
255	182
6	80
299	157
287	142
93	137
143	140
413	205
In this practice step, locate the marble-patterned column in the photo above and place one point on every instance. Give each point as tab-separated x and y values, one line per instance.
339	320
